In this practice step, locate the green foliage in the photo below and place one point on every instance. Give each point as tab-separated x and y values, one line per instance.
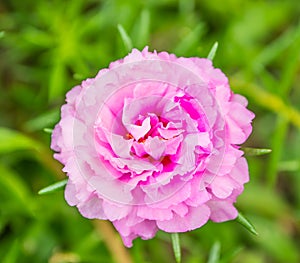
214	255
47	47
125	38
53	187
246	223
176	246
212	52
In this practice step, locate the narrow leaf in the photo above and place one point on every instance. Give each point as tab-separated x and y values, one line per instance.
144	29
213	51
12	252
214	254
176	246
255	151
289	166
53	187
46	119
125	38
246	223
12	140
15	189
190	41
48	130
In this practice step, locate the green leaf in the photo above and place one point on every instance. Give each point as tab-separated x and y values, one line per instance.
125	38
17	191
2	33
289	166
213	51
46	119
214	254
53	187
255	151
246	223
57	78
11	140
176	246
186	7
142	36
12	253
48	130
190	41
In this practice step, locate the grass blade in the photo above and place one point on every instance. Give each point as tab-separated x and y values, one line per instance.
48	130
255	151
144	29
176	246
213	51
125	38
214	254
246	223
53	187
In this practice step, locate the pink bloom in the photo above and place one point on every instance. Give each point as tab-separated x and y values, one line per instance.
152	143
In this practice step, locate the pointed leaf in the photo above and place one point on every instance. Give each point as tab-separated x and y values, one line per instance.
214	254
46	119
255	151
190	41
126	39
48	130
213	51
15	188
12	140
143	30
176	246
246	223
12	253
53	187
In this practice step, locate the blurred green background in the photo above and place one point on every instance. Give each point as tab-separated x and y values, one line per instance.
47	47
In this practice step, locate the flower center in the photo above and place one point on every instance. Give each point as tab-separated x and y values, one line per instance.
153	136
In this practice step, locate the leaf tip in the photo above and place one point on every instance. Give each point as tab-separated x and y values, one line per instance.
53	187
48	130
125	38
248	151
213	51
247	224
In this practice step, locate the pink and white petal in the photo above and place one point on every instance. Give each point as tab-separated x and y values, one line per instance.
236	134
139	149
73	94
222	186
136	165
145	229
180	209
170	194
115	212
222	211
155	147
119	144
92	208
111	190
240	115
187	154
198	196
172	145
147	212
195	218
139	131
70	194
168	133
240	171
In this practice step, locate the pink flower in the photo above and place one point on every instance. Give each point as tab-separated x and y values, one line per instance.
152	143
